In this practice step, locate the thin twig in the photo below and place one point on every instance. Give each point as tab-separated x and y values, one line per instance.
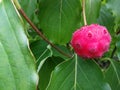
37	30
40	34
84	15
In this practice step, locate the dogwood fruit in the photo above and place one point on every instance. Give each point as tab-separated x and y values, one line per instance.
91	41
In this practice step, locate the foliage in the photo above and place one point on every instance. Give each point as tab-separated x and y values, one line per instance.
28	62
17	67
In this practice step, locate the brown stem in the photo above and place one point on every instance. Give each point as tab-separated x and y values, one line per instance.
84	15
40	34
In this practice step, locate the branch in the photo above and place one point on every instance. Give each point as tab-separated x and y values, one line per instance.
84	15
37	30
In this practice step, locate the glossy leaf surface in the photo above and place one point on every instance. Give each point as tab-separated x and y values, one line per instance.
29	6
46	71
113	5
112	75
59	18
92	10
77	74
17	67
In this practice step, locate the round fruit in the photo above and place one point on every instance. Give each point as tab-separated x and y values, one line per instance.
91	41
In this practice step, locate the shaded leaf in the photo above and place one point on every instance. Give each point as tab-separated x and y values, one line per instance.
77	74
65	49
42	52
59	18
29	6
43	57
118	46
38	47
106	19
113	6
17	67
46	70
92	10
112	75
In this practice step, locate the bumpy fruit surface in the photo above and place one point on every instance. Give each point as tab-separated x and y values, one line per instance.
91	41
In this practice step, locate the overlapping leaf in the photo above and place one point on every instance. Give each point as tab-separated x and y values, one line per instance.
106	19
29	6
92	10
59	18
17	67
118	46
46	61
46	71
113	5
112	75
77	74
39	47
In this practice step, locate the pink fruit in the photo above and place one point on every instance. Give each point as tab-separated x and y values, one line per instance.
91	41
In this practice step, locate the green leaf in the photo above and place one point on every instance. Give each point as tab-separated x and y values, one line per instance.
43	57
113	5
29	6
17	67
92	10
46	70
65	49
118	46
46	61
42	52
112	75
59	18
106	19
38	47
77	74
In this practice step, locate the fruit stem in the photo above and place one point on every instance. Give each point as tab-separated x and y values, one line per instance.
17	4
83	11
37	30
